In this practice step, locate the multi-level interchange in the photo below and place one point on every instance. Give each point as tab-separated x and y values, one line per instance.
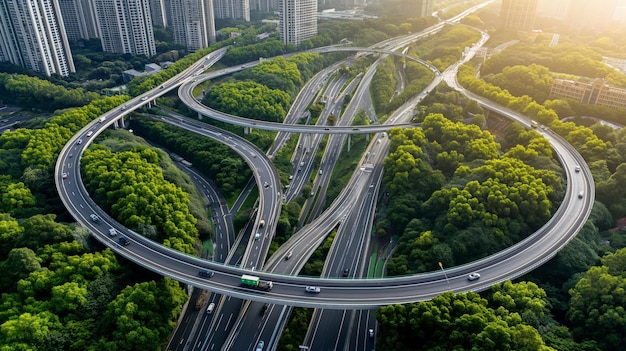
275	280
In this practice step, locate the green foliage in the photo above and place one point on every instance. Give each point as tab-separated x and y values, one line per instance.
247	53
533	80
15	197
450	178
131	185
279	74
315	264
40	94
462	322
589	145
143	316
40	147
446	47
383	84
57	296
214	159
597	303
249	99
296	327
575	59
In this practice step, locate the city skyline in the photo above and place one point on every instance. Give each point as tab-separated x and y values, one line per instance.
33	36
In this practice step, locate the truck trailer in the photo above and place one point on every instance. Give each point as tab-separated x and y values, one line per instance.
256	283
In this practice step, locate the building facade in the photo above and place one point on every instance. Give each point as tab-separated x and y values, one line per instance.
518	15
263	5
32	35
594	93
235	9
79	18
298	20
192	23
158	13
420	8
125	26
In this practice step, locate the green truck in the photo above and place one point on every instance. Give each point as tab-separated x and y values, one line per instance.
251	281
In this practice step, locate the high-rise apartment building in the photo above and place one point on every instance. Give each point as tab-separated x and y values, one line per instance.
263	5
419	8
79	18
32	35
518	14
298	20
158	12
192	23
125	26
235	9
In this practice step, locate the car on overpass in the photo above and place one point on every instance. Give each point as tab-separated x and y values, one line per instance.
312	289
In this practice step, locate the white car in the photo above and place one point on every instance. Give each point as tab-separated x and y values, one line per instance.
112	232
473	276
312	289
259	346
257	236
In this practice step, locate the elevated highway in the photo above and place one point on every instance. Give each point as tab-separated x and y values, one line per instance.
335	293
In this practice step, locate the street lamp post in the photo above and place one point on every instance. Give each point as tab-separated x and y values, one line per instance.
444	274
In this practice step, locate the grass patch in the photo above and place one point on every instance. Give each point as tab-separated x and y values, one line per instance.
371	273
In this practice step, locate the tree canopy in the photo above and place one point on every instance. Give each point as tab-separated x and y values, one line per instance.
249	99
597	303
464	322
131	185
454	197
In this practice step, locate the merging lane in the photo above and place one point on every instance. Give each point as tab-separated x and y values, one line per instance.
335	293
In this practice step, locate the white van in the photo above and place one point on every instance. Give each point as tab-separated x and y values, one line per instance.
211	307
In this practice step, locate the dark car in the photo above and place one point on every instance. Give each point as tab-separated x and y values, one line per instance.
124	240
264	308
206	273
345	272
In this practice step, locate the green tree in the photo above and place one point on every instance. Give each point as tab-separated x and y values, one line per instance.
454	322
597	303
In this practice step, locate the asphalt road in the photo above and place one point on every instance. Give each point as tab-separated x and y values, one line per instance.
336	293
